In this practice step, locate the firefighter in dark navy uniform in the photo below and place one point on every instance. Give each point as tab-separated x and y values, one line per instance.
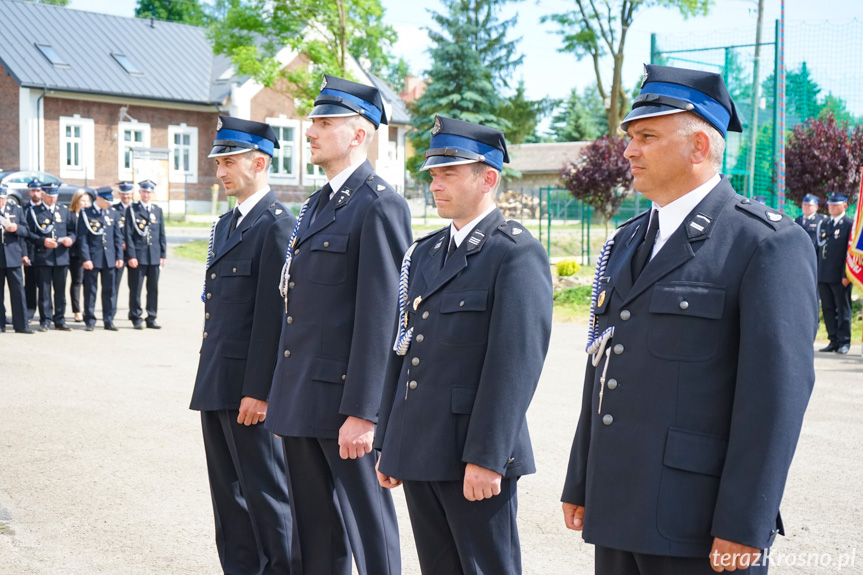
125	189
810	220
146	249
51	238
242	318
13	248
34	189
474	328
834	287
101	245
698	375
340	298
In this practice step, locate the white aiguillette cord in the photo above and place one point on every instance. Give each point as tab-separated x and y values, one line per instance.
596	343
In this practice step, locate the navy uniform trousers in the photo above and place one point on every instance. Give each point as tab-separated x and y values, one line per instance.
136	282
12	277
92	278
48	278
626	563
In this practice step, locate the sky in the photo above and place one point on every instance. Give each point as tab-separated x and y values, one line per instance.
549	73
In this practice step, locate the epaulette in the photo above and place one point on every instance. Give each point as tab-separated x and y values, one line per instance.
768	215
278	210
228	213
514	230
378	184
430	234
635	217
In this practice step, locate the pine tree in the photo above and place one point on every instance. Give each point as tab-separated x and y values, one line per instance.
580	117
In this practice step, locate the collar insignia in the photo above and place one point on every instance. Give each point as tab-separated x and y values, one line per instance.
381	187
773	216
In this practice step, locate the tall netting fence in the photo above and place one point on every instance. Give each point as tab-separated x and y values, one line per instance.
823	69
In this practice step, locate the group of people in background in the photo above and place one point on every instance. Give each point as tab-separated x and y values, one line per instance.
89	241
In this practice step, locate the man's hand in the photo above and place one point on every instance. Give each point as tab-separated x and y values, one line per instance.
356	437
66	241
162	262
480	483
730	556
573	516
50	243
118	264
88	265
26	261
252	411
133	262
846	282
386	480
12	227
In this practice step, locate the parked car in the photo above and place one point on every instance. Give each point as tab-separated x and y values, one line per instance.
17	182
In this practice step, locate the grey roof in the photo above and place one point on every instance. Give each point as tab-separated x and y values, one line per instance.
400	114
548	158
176	61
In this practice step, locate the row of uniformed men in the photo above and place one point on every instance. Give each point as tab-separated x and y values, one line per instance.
49	239
377	363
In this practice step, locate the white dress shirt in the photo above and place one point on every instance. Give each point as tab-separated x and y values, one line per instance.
250	202
672	215
459	235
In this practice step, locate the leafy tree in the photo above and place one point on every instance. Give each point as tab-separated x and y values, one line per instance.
821	159
598	28
600	177
764	160
523	114
63	3
327	32
185	12
801	93
581	117
469	63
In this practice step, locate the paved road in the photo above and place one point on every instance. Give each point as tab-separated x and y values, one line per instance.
102	466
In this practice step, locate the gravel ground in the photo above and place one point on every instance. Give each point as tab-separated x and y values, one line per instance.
102	466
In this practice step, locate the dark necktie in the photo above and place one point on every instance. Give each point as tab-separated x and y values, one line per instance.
642	254
235	217
450	249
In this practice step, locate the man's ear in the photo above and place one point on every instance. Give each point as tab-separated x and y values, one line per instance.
490	178
360	135
700	148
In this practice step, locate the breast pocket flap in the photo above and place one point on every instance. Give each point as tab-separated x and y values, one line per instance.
236	268
334	243
688	299
468	300
329	370
695	452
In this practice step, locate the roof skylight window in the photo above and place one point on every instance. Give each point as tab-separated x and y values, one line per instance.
52	56
127	64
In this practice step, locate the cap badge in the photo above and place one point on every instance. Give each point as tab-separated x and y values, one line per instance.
437	127
324	83
219	125
644	77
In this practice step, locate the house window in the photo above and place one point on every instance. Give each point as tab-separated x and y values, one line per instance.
312	175
131	135
183	162
285	167
76	148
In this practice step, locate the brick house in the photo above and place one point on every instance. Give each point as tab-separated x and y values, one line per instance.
88	97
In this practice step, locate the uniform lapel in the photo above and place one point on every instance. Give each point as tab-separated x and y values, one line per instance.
680	248
620	270
458	260
339	200
228	243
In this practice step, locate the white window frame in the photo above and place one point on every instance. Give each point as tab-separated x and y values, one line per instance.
294	178
123	172
86	168
180	176
319	178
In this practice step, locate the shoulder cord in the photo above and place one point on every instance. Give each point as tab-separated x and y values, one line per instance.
209	260
89	227
405	335
289	254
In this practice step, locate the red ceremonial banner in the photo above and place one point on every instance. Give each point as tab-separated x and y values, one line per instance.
854	257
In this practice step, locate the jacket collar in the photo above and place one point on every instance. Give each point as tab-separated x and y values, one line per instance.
222	244
340	199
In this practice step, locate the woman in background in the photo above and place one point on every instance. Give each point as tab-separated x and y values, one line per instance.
80	200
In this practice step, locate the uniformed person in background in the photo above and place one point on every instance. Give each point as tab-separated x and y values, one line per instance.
13	231
473	332
810	220
101	245
336	336
242	317
51	237
126	190
699	374
34	189
834	287
146	250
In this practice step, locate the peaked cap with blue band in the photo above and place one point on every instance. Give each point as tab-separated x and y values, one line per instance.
105	192
51	189
126	187
237	136
456	142
147	185
3	191
340	97
810	199
34	185
667	90
837	199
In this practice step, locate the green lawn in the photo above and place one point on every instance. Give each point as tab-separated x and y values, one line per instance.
196	250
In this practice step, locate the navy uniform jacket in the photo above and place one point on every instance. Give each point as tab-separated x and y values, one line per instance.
833	250
242	307
709	375
99	237
14	245
812	226
337	334
481	332
57	225
121	210
145	234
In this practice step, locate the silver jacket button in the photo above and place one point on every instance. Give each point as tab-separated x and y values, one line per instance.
684	304
607	419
